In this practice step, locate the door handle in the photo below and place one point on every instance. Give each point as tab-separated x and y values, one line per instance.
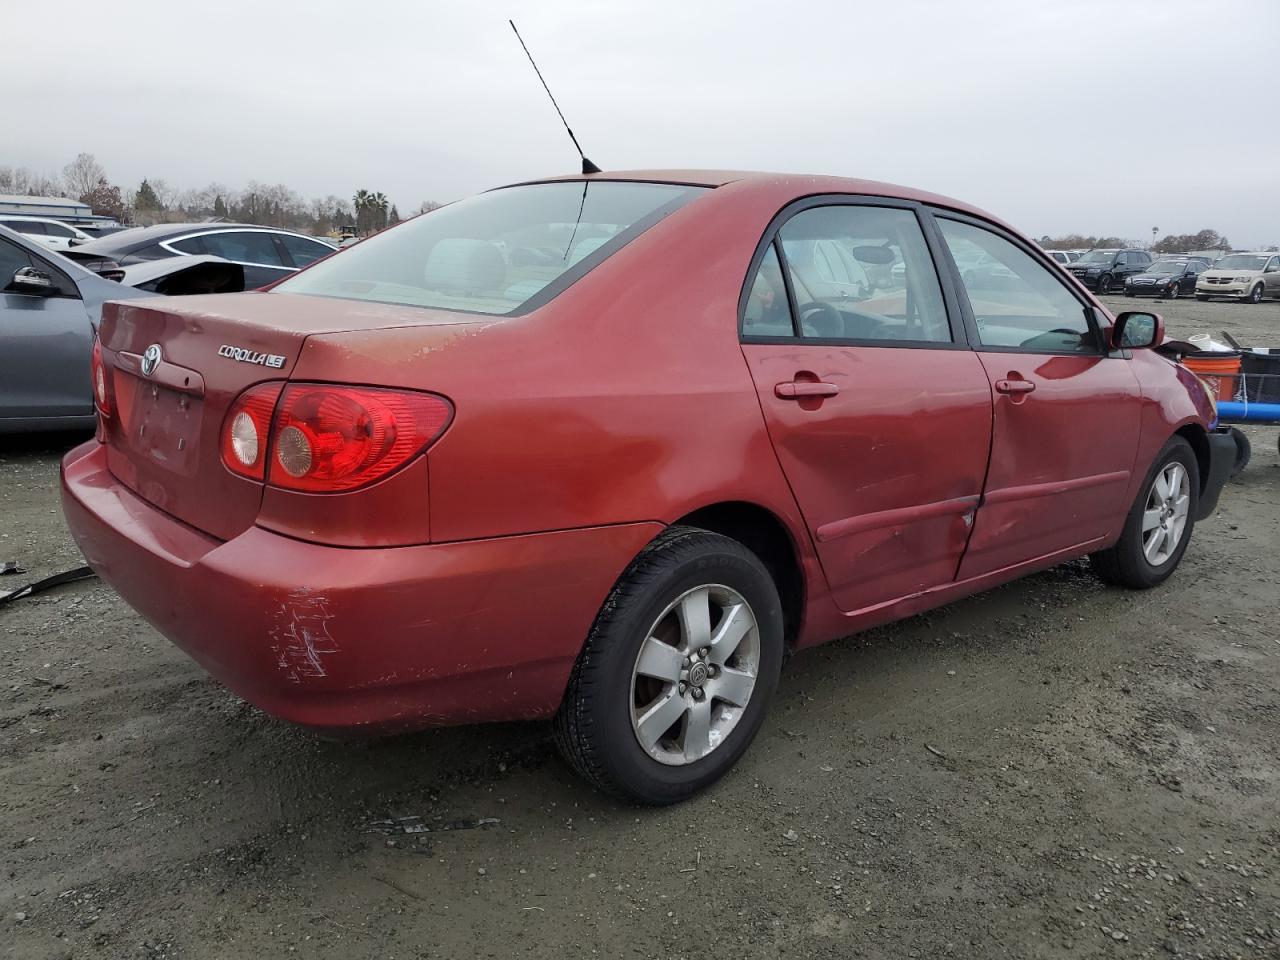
1014	386
804	389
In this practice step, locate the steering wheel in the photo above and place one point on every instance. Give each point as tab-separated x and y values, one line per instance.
818	319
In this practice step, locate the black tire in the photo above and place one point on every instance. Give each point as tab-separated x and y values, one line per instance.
1104	283
1125	564
593	727
1255	295
1201	296
1128	292
1244	451
1174	292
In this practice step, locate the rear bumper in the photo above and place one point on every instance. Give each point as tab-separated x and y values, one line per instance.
341	638
1222	457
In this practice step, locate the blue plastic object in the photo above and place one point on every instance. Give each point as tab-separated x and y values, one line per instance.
1237	412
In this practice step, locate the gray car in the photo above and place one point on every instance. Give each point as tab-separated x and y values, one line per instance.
49	312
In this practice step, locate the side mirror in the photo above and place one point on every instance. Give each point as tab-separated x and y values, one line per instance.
1137	330
31	280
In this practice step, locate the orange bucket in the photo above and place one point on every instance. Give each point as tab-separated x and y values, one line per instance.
1220	373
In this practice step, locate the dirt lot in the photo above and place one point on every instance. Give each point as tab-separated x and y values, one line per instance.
1052	769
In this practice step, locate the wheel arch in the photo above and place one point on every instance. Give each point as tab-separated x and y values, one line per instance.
766	535
1198	437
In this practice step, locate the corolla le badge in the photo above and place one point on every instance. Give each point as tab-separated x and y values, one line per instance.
150	359
251	356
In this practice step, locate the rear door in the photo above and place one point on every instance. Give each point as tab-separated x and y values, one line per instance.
879	413
1066	414
45	341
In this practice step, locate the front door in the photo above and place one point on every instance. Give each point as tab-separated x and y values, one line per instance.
879	413
47	339
1067	413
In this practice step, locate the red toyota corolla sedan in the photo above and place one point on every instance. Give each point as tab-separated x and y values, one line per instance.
606	448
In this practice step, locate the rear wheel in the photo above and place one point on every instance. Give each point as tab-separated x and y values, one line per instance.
677	672
1159	524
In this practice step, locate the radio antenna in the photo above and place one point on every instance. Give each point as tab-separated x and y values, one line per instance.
587	165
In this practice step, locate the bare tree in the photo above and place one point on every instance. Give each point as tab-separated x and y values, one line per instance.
82	175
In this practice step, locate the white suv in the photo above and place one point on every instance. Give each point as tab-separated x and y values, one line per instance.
53	234
1241	276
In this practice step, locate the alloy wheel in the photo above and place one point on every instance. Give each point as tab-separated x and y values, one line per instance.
694	674
1165	518
1104	283
1174	291
1255	295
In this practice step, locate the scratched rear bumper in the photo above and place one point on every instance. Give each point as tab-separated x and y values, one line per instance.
346	639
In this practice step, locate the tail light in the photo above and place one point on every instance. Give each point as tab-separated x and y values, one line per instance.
246	429
101	385
328	438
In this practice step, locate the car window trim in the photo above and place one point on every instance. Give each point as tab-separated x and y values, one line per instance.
1087	308
165	244
959	337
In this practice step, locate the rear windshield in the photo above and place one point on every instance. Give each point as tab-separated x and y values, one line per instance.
500	252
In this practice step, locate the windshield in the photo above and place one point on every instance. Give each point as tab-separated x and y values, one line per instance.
1240	261
1167	266
1097	256
497	252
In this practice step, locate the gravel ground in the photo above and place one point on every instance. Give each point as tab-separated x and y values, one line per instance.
1051	769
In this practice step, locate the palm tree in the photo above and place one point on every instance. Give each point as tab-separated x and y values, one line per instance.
378	203
361	203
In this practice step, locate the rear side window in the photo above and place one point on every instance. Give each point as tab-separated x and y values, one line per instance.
767	312
304	251
863	273
244	246
58	230
501	252
29	227
1016	302
189	245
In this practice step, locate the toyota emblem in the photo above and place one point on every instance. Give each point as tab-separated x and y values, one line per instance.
150	360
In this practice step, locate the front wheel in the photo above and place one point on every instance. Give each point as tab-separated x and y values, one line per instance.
1175	291
1104	283
1255	295
1159	524
677	672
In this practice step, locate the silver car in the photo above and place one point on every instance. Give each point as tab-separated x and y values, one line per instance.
49	311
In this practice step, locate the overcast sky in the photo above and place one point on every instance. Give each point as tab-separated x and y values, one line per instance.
1096	116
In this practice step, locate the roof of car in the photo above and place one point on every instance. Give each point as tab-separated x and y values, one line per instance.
798	184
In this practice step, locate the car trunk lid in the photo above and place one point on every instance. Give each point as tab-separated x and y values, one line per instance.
168	407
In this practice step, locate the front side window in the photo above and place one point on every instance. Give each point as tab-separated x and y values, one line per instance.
1016	302
498	252
863	273
58	230
29	227
244	246
12	259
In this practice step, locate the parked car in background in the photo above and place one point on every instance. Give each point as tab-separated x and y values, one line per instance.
660	457
1061	256
1241	276
45	231
49	310
1168	277
266	254
1105	270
